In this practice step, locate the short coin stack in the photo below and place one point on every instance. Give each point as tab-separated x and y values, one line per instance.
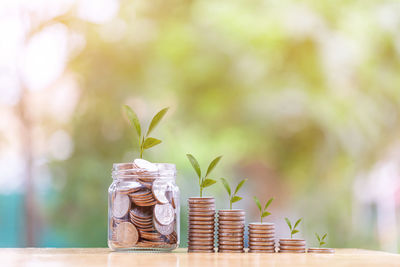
261	237
287	245
321	250
201	224
231	231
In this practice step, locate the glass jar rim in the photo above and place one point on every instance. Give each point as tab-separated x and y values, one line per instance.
130	170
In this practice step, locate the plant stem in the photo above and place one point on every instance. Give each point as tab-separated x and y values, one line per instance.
230	205
201	189
261	219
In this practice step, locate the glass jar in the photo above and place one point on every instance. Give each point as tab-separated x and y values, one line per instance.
143	207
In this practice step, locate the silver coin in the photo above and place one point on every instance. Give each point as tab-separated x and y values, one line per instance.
159	188
164	229
145	165
121	204
164	213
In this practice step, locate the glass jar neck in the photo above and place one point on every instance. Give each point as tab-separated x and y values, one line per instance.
131	171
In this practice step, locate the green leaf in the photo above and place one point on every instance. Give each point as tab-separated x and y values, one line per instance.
265	214
268	203
240	185
226	185
322	243
288	223
212	165
156	119
258	203
133	119
319	239
295	231
207	182
195	164
324	236
236	199
298	221
150	142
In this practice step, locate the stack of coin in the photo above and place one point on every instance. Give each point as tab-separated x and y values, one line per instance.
231	231
287	245
201	224
261	237
321	250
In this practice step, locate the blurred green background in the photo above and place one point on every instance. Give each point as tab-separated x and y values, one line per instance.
300	97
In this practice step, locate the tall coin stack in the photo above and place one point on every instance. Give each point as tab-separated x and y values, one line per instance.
231	231
201	224
261	237
288	245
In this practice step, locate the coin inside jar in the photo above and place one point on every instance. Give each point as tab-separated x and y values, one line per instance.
121	204
126	234
159	189
146	165
164	229
164	213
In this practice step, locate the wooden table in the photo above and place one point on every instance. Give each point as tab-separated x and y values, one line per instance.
58	257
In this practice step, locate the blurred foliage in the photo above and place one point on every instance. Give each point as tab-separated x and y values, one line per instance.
308	90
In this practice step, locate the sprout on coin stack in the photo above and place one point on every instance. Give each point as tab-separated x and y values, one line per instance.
291	245
202	211
231	223
321	242
143	198
262	235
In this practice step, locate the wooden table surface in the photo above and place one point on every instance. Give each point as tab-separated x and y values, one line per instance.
77	257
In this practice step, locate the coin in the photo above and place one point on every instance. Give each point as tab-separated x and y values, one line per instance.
235	223
151	235
231	242
231	235
201	228
260	239
201	200
262	225
231	218
261	231
201	251
145	165
202	214
292	251
321	250
159	189
121	204
164	213
232	212
264	243
203	247
292	242
142	212
164	229
230	250
126	234
233	230
201	218
262	251
203	238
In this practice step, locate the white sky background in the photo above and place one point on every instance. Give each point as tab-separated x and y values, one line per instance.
39	64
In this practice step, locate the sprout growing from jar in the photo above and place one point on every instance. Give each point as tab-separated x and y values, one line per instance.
145	141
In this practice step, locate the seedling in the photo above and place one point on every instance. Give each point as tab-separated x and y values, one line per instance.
233	197
292	230
321	239
204	181
145	142
263	212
